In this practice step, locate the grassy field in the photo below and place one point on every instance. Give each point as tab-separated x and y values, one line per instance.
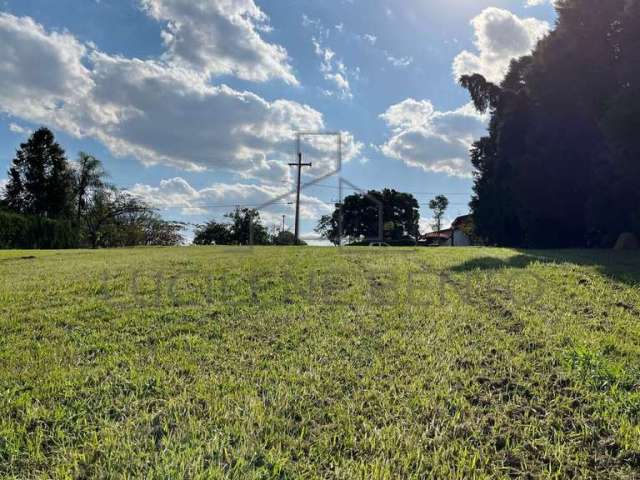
319	363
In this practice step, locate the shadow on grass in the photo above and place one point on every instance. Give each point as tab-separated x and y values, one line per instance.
495	263
620	266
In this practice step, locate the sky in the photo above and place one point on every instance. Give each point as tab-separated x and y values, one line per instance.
194	105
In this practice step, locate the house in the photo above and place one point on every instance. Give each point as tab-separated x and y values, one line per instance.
455	236
436	239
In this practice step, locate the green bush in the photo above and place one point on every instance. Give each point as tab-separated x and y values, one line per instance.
26	231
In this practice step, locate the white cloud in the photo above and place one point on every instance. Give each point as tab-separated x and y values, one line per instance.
39	71
408	114
322	152
162	115
334	71
15	128
500	36
398	62
535	3
367	37
154	111
315	25
326	55
432	140
341	83
220	37
220	198
427	224
315	239
170	193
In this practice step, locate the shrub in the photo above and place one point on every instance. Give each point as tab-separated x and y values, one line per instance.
26	231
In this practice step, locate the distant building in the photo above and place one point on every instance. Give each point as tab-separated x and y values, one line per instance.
436	239
455	236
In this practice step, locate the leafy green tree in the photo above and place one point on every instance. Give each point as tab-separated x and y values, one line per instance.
493	204
113	218
439	207
244	228
57	206
328	227
108	211
40	178
163	233
90	175
358	218
213	233
285	237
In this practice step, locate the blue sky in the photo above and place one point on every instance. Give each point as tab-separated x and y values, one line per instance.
194	104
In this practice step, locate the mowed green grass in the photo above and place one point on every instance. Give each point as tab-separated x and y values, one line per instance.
319	363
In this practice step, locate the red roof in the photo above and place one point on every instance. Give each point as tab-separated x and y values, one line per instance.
446	234
442	234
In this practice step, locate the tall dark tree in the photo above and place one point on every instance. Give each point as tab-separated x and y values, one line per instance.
559	167
40	178
620	174
14	192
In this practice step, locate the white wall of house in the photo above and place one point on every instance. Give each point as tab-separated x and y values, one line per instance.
460	239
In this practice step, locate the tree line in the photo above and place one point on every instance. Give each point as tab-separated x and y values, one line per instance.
243	226
560	166
50	202
374	216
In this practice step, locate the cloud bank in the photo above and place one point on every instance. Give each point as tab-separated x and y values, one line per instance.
220	198
220	37
500	36
435	141
161	111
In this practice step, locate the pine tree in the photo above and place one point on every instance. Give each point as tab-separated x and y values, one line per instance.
40	179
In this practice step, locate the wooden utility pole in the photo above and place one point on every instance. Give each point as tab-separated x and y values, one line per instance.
299	165
283	217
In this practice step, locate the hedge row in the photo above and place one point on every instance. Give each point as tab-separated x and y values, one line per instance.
26	232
